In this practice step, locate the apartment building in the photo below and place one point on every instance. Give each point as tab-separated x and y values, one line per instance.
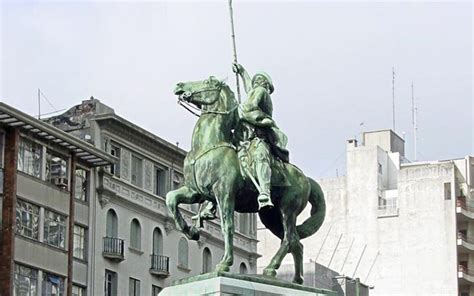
135	247
405	228
46	180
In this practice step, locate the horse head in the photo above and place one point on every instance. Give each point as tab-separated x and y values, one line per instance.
203	93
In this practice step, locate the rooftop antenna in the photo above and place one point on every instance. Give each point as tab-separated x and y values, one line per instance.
335	249
360	259
372	266
39	103
414	111
393	97
322	245
347	255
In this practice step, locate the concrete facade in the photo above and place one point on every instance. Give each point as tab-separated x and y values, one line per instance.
404	228
134	190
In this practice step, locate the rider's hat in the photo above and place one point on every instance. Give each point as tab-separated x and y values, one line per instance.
267	77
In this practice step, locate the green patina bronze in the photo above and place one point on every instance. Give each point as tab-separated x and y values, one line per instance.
238	162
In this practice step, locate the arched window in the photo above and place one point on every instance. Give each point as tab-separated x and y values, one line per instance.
243	268
183	253
157	247
206	261
135	235
111	224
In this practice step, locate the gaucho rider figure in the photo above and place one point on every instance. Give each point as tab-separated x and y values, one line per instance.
262	137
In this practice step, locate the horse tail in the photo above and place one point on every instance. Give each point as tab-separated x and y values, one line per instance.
318	211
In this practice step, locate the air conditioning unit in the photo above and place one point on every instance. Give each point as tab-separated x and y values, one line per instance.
60	182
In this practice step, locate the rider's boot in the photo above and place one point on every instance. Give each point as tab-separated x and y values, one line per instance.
264	175
264	198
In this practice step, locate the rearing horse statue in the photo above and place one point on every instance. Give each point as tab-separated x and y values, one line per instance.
212	173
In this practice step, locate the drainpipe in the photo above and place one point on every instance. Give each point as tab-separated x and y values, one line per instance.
7	251
70	248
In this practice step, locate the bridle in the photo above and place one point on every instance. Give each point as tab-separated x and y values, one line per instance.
194	110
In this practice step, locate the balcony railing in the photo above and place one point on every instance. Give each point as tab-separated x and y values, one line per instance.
388	210
465	270
159	265
113	248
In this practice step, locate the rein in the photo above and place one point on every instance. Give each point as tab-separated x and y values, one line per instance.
194	110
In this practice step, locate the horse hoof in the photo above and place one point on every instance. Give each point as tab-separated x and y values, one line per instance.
222	267
270	272
298	280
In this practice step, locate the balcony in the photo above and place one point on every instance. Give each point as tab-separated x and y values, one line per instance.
466	276
160	265
465	244
113	249
464	211
387	210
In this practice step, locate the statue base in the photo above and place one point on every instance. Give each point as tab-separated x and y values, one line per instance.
225	283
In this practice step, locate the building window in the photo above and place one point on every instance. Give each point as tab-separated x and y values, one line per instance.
379	168
134	287
137	171
26	281
30	158
78	291
206	261
111	224
135	234
160	182
244	223
52	285
79	242
155	290
54	229
27	219
80	190
110	285
56	170
115	168
157	242
447	191
183	253
243	268
382	202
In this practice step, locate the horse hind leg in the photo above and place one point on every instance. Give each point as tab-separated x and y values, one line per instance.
296	249
289	229
173	199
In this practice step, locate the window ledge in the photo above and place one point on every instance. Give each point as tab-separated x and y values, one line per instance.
183	268
135	250
43	182
83	261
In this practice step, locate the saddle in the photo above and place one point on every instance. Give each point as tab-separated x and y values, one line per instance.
278	167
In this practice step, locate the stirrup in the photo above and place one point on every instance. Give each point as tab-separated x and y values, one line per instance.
264	201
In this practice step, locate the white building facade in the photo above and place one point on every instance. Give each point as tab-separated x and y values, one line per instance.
404	228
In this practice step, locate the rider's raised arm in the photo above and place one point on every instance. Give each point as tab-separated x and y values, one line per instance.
239	69
251	111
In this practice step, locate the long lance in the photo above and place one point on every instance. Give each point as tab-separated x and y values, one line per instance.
235	48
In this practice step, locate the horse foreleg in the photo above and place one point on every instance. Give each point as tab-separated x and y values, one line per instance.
226	206
173	199
289	223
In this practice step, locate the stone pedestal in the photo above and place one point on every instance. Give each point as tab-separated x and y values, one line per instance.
224	283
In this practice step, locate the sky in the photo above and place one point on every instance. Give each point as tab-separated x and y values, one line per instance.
331	64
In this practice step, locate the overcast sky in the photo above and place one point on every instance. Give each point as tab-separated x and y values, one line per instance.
331	63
